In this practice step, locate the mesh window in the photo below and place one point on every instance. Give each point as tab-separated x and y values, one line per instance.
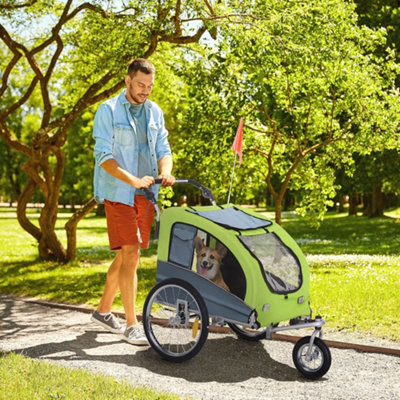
281	267
182	252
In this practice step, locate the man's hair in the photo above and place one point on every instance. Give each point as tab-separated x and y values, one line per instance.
142	65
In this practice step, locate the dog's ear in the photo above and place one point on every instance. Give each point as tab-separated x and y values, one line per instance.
222	250
198	243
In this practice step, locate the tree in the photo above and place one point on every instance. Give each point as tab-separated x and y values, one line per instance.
71	55
305	78
371	181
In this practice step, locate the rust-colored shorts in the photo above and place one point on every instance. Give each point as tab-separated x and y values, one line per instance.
129	224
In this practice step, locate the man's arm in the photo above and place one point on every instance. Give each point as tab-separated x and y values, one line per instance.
112	167
165	166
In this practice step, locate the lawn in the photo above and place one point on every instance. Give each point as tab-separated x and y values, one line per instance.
22	379
354	264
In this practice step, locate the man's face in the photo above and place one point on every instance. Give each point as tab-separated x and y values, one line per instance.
139	87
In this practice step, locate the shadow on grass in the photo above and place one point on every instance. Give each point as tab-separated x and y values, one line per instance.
71	283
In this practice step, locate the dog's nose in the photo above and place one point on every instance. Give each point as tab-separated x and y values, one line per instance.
204	263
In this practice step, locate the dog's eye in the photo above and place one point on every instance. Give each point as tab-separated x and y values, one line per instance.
203	255
212	257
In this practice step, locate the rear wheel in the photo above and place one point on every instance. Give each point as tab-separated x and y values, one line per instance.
315	363
175	320
244	332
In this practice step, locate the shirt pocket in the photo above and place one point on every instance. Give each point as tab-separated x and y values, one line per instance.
123	135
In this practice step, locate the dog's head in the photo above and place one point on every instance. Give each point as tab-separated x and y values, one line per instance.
208	259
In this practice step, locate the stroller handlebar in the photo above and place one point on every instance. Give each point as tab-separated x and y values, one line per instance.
149	195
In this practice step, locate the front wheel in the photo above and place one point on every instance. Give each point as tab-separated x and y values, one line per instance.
315	363
175	320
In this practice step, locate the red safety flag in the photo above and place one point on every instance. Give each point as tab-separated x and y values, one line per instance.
237	144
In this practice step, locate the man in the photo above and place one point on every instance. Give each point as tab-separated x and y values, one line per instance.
130	140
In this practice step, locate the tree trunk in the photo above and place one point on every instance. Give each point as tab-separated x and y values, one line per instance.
50	247
341	202
100	211
21	211
278	210
353	203
71	225
377	201
367	205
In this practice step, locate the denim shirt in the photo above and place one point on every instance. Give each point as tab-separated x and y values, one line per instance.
115	134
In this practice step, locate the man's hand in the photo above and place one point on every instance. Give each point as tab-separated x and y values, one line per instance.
167	179
144	182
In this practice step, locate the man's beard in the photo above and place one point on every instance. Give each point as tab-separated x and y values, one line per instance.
136	99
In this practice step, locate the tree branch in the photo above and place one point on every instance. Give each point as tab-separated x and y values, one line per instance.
7	72
21	101
21	210
184	39
15	6
45	83
11	141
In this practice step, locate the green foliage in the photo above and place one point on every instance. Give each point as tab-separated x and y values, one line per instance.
23	378
312	92
77	183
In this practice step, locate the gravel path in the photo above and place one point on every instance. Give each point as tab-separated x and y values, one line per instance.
225	368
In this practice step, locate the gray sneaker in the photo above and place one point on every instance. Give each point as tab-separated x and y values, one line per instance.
109	322
135	335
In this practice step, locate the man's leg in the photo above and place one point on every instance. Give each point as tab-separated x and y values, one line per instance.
103	315
127	280
111	286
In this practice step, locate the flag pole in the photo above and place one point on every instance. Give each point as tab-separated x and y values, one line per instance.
233	173
237	149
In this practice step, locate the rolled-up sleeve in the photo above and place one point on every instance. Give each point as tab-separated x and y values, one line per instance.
103	134
162	145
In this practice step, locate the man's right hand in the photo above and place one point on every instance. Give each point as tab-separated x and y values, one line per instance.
113	168
144	182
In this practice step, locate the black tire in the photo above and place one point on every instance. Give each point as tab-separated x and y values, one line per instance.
320	361
175	320
243	332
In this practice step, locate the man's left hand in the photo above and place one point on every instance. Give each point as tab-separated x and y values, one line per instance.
167	179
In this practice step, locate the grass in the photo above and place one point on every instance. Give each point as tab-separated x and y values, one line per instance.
357	293
355	271
22	379
79	281
341	234
354	264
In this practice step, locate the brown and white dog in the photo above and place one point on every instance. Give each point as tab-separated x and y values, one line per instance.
209	261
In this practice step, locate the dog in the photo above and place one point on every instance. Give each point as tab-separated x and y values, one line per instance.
209	261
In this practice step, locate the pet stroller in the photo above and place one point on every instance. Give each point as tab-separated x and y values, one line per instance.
265	270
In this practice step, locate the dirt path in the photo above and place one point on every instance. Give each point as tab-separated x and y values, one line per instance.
225	368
